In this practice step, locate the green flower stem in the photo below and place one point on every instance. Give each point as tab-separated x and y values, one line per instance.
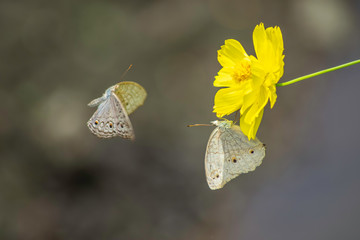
317	73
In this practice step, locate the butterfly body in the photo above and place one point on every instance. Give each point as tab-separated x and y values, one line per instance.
229	153
111	117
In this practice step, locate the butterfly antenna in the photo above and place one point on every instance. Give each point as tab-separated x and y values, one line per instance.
123	75
198	125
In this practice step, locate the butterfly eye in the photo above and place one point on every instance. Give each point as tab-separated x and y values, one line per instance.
251	151
217	176
234	160
110	125
96	122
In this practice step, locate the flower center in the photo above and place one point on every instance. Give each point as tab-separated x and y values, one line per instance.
242	72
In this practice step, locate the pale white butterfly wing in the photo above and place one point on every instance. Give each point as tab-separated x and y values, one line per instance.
111	119
97	101
131	94
214	160
229	153
241	155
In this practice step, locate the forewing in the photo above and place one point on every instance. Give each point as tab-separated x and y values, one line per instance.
214	160
241	155
131	94
96	102
110	120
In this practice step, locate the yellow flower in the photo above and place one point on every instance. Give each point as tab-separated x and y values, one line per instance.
249	81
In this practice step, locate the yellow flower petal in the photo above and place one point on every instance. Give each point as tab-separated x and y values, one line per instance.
257	123
269	47
260	42
254	110
258	73
249	100
227	101
231	54
275	38
251	129
272	95
224	78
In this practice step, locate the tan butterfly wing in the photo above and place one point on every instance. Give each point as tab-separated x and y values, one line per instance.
131	95
229	153
214	160
111	120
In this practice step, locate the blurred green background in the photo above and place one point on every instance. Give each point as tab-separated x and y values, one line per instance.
58	181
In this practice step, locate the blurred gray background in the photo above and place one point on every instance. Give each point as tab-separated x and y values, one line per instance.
58	181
